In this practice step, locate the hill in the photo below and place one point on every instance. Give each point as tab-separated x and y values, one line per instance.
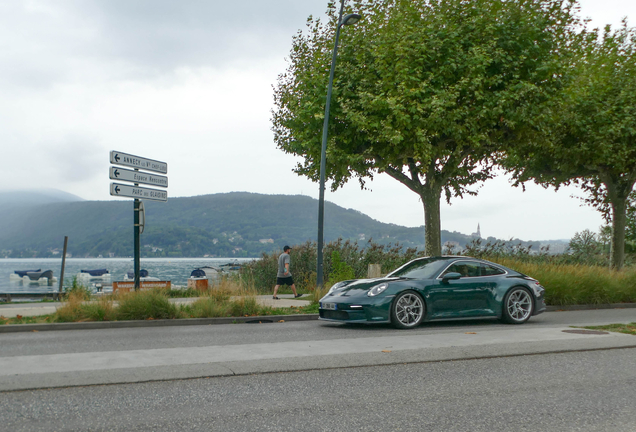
237	224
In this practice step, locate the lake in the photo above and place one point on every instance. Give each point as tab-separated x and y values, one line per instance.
176	270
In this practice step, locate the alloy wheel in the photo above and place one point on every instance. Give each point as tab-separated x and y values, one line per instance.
408	310
519	305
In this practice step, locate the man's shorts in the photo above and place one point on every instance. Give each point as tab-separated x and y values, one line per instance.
285	280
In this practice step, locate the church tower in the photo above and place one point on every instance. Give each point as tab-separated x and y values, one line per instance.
477	234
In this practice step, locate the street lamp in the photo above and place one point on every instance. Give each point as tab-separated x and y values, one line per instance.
347	20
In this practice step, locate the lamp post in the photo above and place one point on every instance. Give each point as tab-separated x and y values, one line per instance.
347	20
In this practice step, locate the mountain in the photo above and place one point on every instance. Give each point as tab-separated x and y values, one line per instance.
237	224
35	197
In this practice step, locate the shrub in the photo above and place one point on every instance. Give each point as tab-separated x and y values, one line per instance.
142	305
578	284
78	290
182	293
209	307
340	271
262	273
75	308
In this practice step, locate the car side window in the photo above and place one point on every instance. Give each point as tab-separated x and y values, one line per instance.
465	268
488	270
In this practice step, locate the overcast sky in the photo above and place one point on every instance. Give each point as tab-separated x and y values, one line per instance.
190	83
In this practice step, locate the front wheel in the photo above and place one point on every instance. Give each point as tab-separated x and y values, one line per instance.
518	306
407	310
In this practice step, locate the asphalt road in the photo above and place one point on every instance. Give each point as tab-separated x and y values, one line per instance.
578	391
84	341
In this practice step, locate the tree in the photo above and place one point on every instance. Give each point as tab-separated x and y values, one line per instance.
427	92
592	142
585	245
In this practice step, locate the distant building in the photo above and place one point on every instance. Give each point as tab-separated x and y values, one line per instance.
266	241
477	234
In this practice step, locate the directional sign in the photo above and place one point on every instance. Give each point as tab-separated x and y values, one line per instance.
125	159
122	174
142	193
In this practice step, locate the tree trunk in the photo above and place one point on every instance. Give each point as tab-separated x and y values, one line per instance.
619	220
432	220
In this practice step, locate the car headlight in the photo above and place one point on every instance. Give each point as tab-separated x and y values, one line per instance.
336	287
375	290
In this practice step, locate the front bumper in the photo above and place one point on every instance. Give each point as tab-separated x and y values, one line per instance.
356	309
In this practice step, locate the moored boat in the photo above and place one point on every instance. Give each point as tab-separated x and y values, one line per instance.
143	276
33	277
17	275
94	276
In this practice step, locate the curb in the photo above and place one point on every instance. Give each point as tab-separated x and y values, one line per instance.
590	307
92	325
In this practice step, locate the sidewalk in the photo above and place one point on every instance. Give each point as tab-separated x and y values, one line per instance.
143	365
34	309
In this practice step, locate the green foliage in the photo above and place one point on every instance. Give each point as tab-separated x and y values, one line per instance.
591	139
78	289
142	305
351	256
620	328
425	91
578	284
588	251
585	246
630	227
182	293
340	271
478	249
222	225
76	308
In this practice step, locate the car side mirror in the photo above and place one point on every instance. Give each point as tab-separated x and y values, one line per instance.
451	276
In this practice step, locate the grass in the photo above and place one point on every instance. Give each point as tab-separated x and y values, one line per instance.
619	328
565	283
573	284
228	299
40	319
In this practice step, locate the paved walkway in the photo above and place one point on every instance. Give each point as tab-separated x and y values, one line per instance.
52	367
44	308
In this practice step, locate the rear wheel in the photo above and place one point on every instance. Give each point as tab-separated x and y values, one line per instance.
407	310
518	306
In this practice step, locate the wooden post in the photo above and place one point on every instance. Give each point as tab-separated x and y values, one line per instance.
374	271
63	265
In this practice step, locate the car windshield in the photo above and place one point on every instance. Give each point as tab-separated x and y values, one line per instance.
425	268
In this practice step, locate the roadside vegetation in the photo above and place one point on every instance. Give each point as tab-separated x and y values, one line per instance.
580	276
230	298
620	328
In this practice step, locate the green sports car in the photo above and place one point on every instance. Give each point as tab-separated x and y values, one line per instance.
436	288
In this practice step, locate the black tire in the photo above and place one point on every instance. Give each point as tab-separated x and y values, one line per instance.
518	306
407	310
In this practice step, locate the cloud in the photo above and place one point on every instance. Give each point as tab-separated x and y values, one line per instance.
92	40
74	159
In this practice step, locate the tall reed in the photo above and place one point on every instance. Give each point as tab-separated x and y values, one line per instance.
577	283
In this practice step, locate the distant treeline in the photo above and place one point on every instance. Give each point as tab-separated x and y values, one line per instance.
234	224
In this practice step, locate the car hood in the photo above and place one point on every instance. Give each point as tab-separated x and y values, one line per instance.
361	285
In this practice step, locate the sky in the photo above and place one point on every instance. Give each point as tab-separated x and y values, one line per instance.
190	83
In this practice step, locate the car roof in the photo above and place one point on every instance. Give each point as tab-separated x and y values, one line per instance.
462	257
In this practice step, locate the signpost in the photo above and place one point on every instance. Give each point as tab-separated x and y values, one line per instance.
135	191
125	159
128	191
121	174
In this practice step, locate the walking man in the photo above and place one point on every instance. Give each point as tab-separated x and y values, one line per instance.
284	276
